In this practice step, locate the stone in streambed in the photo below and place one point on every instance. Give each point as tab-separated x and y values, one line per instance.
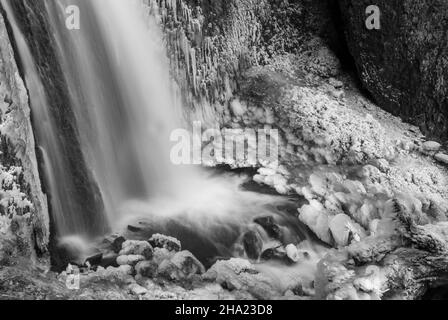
94	260
130	260
275	254
162	241
146	269
134	229
269	225
132	247
292	252
187	263
252	244
109	259
182	266
117	244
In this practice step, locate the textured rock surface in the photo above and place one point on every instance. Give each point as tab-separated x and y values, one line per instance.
23	204
403	65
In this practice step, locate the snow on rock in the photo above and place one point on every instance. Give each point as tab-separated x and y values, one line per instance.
142	248
130	260
316	218
240	275
162	241
344	229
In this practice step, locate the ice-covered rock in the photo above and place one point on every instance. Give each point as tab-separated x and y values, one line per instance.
132	247
146	268
162	241
342	228
240	275
316	218
131	260
292	252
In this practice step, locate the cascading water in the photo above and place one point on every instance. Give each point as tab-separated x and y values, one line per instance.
116	74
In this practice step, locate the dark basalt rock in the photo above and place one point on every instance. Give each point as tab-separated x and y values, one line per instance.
269	225
84	213
117	244
94	260
275	254
403	65
252	244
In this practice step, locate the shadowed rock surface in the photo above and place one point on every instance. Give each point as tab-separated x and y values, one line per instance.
403	65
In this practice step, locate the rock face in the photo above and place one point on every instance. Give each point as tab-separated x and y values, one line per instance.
23	210
84	212
403	65
212	43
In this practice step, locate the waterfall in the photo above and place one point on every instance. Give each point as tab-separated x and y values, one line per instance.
117	77
104	107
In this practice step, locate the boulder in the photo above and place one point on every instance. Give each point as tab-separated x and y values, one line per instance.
130	260
343	229
162	241
275	254
141	248
240	275
187	263
269	225
252	244
146	269
403	64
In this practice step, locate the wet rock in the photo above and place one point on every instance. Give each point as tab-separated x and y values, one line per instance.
146	269
109	259
162	241
94	260
132	247
117	243
252	244
442	158
275	254
134	228
269	225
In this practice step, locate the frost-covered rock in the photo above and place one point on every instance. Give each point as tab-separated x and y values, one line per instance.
344	229
240	275
162	241
315	217
130	260
146	268
141	248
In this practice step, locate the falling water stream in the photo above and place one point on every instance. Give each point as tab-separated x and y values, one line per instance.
117	75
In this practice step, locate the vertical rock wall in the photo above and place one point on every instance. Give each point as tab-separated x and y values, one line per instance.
24	220
404	65
212	43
